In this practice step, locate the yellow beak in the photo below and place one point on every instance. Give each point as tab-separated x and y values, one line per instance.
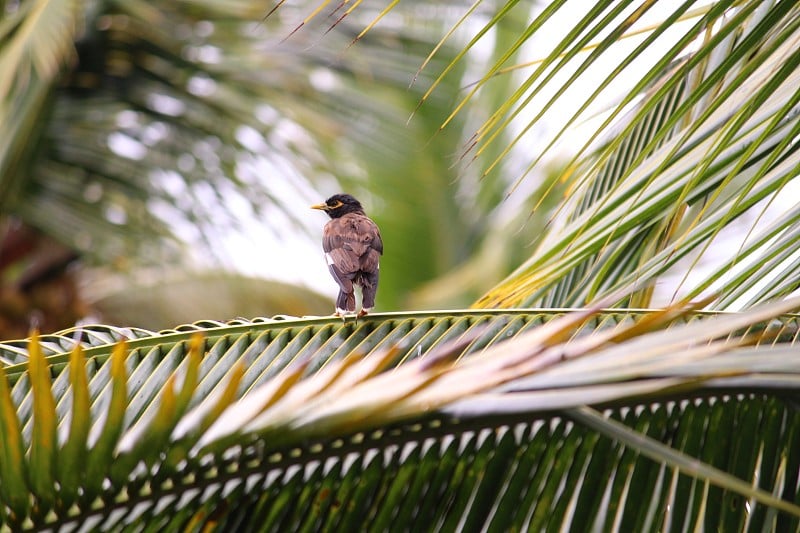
322	206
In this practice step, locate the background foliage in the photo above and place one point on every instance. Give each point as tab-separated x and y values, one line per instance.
196	135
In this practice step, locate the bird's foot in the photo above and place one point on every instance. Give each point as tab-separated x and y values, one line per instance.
342	313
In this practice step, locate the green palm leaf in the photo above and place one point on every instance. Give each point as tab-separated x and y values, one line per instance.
36	42
710	140
315	423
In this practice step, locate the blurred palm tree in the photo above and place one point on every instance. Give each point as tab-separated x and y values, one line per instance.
140	136
498	417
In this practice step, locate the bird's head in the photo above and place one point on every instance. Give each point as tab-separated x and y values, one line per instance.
339	205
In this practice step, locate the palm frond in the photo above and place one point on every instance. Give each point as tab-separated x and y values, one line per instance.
316	422
37	41
708	146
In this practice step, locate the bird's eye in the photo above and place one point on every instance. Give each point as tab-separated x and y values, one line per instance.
337	205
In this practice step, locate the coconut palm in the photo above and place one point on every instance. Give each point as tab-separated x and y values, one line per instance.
498	417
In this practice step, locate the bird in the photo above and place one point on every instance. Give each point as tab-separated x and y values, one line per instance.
353	247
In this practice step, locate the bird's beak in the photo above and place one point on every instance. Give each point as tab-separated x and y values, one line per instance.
322	206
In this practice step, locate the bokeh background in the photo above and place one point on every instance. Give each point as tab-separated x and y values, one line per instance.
163	173
157	161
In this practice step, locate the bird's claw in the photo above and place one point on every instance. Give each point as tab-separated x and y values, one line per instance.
343	314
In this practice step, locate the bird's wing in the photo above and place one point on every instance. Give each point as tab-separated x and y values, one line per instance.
377	241
352	243
372	245
369	261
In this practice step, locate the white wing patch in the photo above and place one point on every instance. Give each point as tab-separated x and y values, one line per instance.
328	258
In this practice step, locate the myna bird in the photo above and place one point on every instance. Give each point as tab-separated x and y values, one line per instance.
353	248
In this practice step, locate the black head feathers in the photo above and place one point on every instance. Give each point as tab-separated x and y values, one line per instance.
339	205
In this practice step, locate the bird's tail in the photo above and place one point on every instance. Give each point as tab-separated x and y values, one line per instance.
346	302
369	286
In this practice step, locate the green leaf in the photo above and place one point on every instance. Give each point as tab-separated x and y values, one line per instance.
658	451
14	487
44	441
151	434
712	134
72	459
101	451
